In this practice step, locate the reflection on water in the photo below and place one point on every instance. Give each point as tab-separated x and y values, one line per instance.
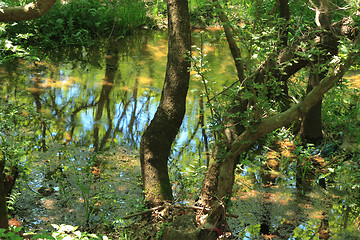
101	98
106	96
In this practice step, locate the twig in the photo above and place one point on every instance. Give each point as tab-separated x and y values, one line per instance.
144	212
227	88
179	207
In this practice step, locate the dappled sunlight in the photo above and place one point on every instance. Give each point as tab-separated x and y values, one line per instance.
254	202
126	89
14	222
48	203
35	90
91	121
354	80
287	148
105	82
207	48
83	192
145	80
54	83
67	137
48	219
159	51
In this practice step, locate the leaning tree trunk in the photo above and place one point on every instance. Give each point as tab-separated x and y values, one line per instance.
219	179
156	141
221	173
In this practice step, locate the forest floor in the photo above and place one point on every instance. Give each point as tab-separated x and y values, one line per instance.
108	200
68	190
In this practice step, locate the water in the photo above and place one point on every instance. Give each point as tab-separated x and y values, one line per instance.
101	99
105	96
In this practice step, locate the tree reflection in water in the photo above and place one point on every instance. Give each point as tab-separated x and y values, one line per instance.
105	96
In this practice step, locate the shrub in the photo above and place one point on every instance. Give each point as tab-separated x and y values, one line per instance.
79	22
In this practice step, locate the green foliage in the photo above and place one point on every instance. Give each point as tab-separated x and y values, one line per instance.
66	231
203	13
13	234
12	200
307	231
160	231
12	48
253	230
341	110
346	175
98	200
62	232
187	181
158	8
80	22
18	123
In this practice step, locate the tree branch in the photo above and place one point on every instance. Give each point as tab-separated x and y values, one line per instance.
28	12
250	135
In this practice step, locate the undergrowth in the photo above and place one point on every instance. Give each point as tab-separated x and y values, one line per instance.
80	23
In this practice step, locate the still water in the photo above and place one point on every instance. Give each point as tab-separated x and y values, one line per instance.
102	98
106	95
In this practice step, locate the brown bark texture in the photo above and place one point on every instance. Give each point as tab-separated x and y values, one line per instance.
283	64
234	49
157	139
219	178
3	194
233	128
285	14
312	123
28	12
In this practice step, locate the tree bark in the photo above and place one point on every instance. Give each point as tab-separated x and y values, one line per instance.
28	12
156	141
285	14
312	123
218	185
3	208
234	49
220	175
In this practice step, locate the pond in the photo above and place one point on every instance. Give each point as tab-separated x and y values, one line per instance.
102	98
107	94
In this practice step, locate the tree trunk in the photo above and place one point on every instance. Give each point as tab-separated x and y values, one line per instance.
3	208
234	49
219	178
156	141
285	14
312	123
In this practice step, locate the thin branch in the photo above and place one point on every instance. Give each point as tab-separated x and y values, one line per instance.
227	88
174	206
144	212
